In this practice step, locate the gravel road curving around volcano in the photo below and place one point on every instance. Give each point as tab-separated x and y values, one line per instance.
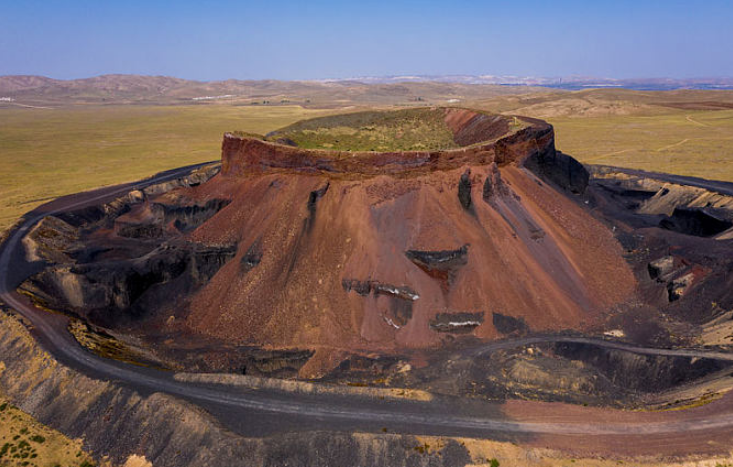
288	411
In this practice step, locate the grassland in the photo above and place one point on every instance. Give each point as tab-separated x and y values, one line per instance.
25	442
696	143
684	132
46	153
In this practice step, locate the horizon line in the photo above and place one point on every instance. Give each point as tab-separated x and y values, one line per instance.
406	76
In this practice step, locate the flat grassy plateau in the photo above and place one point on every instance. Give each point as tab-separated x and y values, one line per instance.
698	143
47	153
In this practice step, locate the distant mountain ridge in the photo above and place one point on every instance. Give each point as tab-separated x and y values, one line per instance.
126	89
123	83
26	90
16	83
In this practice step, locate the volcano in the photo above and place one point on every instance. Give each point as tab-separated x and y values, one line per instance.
366	233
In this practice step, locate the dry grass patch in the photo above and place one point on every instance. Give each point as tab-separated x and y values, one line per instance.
698	144
46	153
27	443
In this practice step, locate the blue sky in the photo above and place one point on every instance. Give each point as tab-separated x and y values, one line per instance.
333	39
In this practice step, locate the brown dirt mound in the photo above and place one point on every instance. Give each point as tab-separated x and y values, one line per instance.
361	251
320	254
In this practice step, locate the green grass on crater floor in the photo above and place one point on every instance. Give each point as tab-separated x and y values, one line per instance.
401	130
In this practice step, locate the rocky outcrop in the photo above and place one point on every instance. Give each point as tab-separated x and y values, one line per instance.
692	209
365	287
535	141
509	324
560	169
193	179
182	216
676	232
642	373
313	198
88	215
114	261
252	257
678	286
696	222
274	363
111	290
457	322
493	185
401	299
441	265
464	190
439	260
660	268
51	240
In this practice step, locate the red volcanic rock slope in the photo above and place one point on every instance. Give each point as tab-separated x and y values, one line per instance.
378	252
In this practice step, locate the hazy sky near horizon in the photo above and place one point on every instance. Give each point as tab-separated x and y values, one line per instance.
313	39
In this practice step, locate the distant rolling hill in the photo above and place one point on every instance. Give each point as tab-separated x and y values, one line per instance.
607	102
135	89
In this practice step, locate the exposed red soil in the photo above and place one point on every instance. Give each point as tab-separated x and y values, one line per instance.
695	440
319	220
